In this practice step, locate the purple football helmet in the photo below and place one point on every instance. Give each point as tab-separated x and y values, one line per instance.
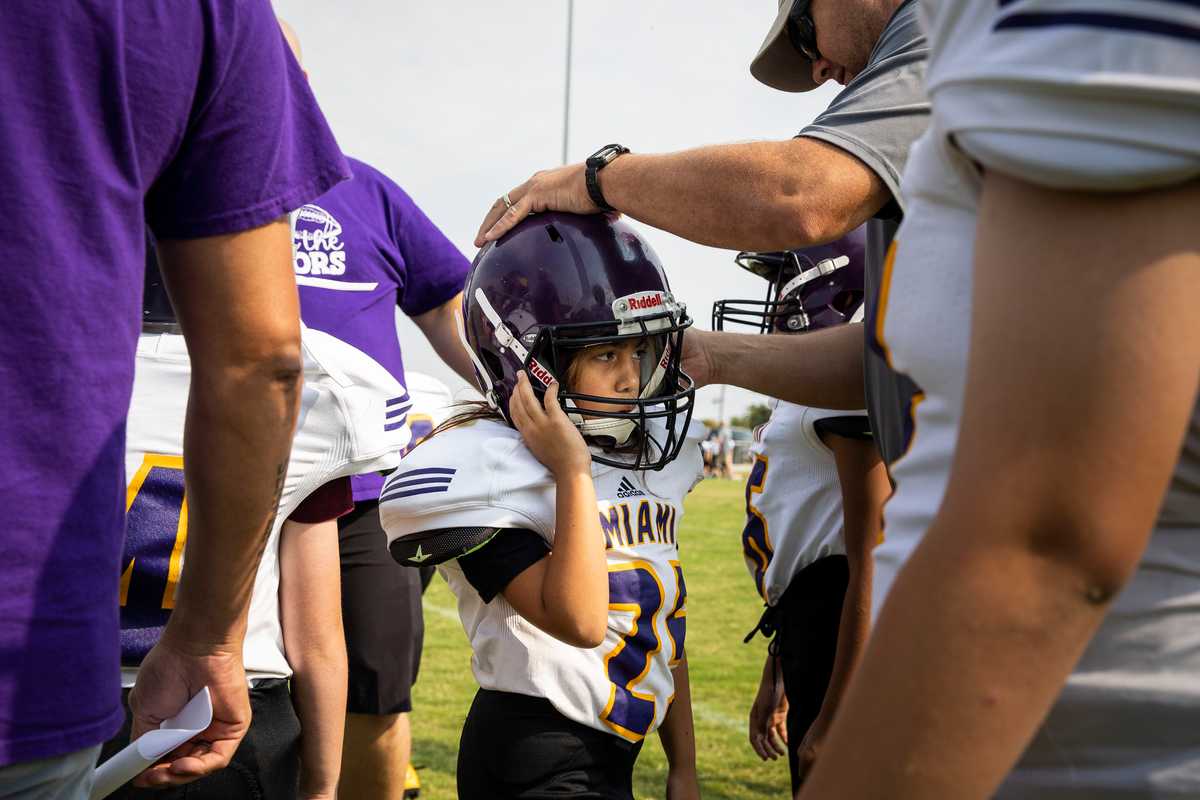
557	283
807	289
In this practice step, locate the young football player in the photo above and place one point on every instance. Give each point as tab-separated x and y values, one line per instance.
554	511
352	420
813	503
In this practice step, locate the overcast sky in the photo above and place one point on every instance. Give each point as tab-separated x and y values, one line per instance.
460	101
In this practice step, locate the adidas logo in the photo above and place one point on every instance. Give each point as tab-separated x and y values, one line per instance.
626	489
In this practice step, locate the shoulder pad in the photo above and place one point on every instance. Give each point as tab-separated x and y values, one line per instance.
375	403
676	479
477	475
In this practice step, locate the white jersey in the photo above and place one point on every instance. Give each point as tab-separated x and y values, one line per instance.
793	499
344	429
1125	723
482	475
1080	94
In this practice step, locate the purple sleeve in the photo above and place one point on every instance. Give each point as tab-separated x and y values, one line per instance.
331	501
435	269
257	145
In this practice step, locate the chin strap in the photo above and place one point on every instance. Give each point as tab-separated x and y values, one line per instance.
826	266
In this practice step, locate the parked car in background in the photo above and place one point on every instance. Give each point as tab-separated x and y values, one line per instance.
742	439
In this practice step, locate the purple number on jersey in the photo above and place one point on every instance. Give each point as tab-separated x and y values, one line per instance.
635	587
677	619
756	543
155	532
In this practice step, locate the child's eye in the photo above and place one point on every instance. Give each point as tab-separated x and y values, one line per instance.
605	355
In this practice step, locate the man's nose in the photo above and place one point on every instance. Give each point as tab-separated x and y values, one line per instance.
823	70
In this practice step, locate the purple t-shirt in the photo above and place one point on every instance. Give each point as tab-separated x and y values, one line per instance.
192	117
362	249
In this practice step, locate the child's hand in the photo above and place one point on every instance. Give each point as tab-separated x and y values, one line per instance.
547	432
768	716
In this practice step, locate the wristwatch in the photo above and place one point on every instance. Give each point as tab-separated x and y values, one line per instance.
596	162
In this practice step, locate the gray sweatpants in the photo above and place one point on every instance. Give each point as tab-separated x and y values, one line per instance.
66	777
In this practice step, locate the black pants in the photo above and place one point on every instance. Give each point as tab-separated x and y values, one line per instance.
516	746
810	615
381	615
266	765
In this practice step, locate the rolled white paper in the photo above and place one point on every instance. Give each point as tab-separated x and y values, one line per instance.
153	745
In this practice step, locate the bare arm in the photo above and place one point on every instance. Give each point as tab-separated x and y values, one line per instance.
744	196
310	609
440	326
235	297
822	369
678	736
865	488
566	593
768	713
1037	532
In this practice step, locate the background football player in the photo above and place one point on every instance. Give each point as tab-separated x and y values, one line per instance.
352	420
561	500
814	498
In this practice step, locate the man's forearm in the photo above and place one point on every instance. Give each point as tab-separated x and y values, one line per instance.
236	445
746	196
823	369
235	296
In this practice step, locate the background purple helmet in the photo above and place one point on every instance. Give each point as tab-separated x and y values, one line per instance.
807	289
559	282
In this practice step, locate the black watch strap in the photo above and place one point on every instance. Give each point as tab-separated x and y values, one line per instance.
596	162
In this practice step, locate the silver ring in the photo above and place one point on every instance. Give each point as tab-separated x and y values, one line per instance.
507	202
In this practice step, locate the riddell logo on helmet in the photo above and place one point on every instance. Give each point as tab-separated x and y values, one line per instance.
541	373
633	305
645	302
641	304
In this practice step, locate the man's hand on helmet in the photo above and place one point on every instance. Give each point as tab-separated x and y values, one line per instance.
548	433
559	189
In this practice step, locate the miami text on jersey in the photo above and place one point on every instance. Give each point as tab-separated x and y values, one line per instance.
628	525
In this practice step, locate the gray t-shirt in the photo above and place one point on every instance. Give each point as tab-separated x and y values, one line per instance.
876	118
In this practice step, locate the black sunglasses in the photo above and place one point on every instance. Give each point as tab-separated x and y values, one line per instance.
802	32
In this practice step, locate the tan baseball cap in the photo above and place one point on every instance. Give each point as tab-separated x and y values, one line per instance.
778	64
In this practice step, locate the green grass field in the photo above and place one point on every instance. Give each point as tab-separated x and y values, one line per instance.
722	607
